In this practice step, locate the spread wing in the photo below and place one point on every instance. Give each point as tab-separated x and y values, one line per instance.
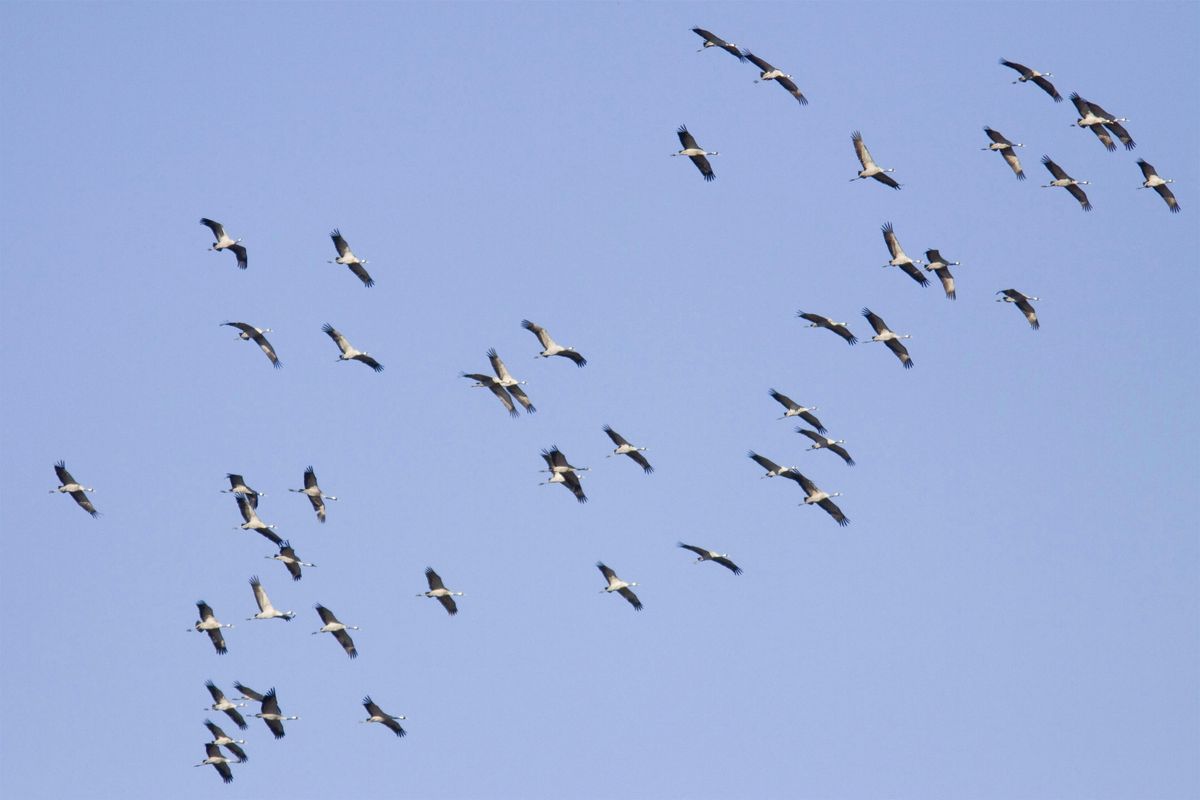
248	692
686	139
764	462
897	347
346	642
841	451
628	594
705	168
947	280
538	330
816	437
217	228
876	321
82	499
333	333
1166	194
606	571
996	136
617	438
1080	195
1148	171
833	511
1119	131
369	361
361	272
498	366
239	250
893	243
729	565
267	349
1048	88
522	398
1030	314
1103	136
340	243
1021	68
910	269
435	581
700	551
237	718
218	640
1010	155
759	62
572	482
64	477
238	752
579	360
886	180
860	149
448	603
794	90
641	461
811	419
1058	172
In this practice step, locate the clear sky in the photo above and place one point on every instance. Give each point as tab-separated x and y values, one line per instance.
1013	610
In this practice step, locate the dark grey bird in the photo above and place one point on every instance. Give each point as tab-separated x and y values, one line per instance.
869	168
624	448
220	762
900	258
1065	181
888	337
823	443
1005	148
1038	78
221	703
314	494
225	243
696	153
438	589
550	347
271	713
249	332
712	555
941	267
347	258
68	485
222	739
770	73
287	556
815	496
1158	184
208	623
840	328
382	717
332	625
619	586
711	40
794	409
1022	303
349	353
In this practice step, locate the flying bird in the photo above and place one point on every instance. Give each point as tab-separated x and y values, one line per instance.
337	629
711	40
1065	181
550	347
773	469
69	485
348	351
840	328
221	703
822	443
1005	148
1153	181
900	258
438	589
1022	301
696	153
556	460
287	556
1097	119
794	409
770	73
504	379
869	168
892	340
1039	78
488	382
248	693
815	496
221	739
225	243
271	714
619	586
265	609
382	717
249	332
711	555
346	257
220	762
237	485
252	522
208	623
563	473
314	493
941	267
624	448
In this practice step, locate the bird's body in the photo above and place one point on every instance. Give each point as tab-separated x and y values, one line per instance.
1065	181
817	497
68	485
223	242
711	40
1038	78
1158	184
550	347
869	168
252	522
251	333
208	623
221	739
314	494
820	442
696	153
349	353
347	258
1005	148
438	589
265	609
712	555
338	629
619	586
221	703
889	337
900	259
385	719
1022	303
562	472
624	448
1097	119
271	713
794	409
941	267
287	556
217	760
506	381
770	73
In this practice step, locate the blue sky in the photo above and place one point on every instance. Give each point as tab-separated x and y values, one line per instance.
1013	611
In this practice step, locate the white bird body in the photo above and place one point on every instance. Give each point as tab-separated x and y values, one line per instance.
1158	184
377	714
272	714
869	168
551	347
696	153
68	485
338	629
208	623
438	590
348	351
265	609
889	337
224	242
215	759
314	494
615	584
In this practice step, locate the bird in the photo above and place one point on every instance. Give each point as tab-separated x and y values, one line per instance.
208	623
438	589
567	477
1062	179
252	522
556	460
1153	181
815	496
248	693
941	267
225	243
624	448
488	382
287	556
696	153
1039	78
711	40
249	332
1005	148
346	256
840	328
265	609
794	409
550	347
822	443
1022	301
770	73
221	703
220	762
869	168
892	340
271	713
504	379
337	629
348	351
711	555
1094	117
70	486
900	258
615	584
773	469
220	738
237	485
382	717
315	496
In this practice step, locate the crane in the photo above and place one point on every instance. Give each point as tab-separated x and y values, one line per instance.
900	258
619	586
1022	303
488	382
1005	148
1097	119
265	609
550	347
287	556
348	351
712	555
891	339
1065	181
563	473
249	332
220	762
711	40
68	485
271	713
314	493
941	267
624	448
823	443
840	328
1153	181
208	623
696	153
347	258
337	629
221	703
507	381
773	469
770	73
1038	78
438	589
223	242
815	496
794	409
382	717
869	168
221	739
252	522
237	485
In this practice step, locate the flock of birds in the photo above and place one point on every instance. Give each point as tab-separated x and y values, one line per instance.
509	392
